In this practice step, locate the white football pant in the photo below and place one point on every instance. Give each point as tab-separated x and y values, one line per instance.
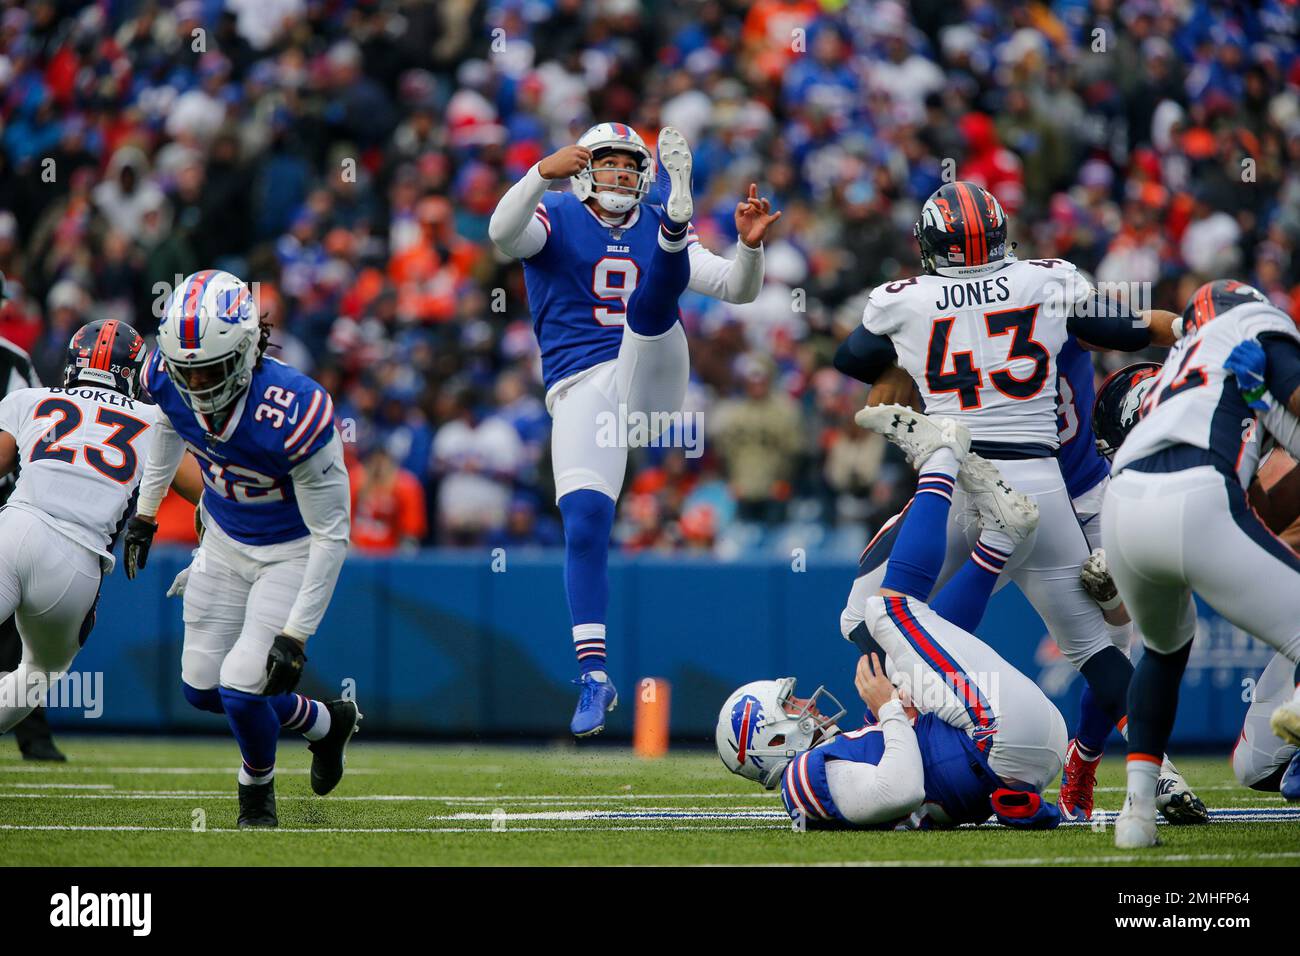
1260	753
51	583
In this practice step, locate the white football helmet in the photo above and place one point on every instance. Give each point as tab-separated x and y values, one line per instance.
601	139
209	336
763	726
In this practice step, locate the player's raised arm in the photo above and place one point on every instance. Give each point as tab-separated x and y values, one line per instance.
737	280
519	226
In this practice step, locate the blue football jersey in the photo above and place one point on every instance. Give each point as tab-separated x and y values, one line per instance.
1081	464
957	775
579	284
282	419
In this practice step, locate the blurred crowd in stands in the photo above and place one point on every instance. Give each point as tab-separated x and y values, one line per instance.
346	156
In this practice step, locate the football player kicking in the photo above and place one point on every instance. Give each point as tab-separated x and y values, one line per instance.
966	735
604	270
275	514
1177	519
984	337
80	449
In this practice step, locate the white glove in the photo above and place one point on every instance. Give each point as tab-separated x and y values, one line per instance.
178	583
1096	580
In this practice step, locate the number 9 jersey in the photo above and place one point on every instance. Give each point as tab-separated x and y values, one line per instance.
276	425
983	348
81	453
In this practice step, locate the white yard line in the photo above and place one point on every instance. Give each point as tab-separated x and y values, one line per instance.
1135	858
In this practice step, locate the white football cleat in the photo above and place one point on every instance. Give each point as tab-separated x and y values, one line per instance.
918	435
1000	506
1135	829
675	158
1285	721
1174	798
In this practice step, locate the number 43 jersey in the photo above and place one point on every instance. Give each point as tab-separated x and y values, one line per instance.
81	452
280	421
983	349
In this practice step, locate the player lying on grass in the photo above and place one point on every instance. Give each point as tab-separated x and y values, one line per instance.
80	450
965	735
604	270
1261	759
276	519
1176	517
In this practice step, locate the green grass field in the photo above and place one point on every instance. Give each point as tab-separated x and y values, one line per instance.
135	801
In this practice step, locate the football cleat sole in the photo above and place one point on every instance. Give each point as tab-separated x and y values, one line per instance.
918	435
675	157
1000	506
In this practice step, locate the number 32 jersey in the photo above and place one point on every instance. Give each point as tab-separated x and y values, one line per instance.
281	420
983	349
81	453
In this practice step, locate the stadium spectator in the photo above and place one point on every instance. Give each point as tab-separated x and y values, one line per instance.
388	512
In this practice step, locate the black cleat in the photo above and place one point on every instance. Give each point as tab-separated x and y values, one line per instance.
257	806
43	749
329	754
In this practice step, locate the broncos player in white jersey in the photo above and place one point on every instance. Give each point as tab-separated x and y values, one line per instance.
276	517
1176	517
81	450
979	332
604	270
966	735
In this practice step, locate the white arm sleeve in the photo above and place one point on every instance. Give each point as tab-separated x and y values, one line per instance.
1282	425
870	794
324	498
165	454
514	228
735	280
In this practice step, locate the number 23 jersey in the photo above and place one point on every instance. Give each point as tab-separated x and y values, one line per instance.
982	349
280	421
81	453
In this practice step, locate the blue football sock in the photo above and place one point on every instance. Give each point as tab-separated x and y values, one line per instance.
256	727
301	714
1094	726
652	307
1153	700
588	519
209	700
922	542
965	597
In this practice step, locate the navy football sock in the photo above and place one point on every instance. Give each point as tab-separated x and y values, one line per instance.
1109	673
922	542
588	519
652	307
295	712
256	728
1153	700
1094	726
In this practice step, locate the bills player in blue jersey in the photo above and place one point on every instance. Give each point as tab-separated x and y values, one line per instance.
275	512
966	735
604	269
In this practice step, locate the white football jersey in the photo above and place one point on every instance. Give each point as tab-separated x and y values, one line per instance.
1195	400
81	452
982	349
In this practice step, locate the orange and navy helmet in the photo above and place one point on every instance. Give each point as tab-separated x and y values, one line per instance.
1118	405
106	352
962	227
1214	299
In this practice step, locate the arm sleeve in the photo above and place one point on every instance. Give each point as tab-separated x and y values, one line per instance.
864	355
517	227
1282	374
324	498
737	280
870	794
1124	333
165	454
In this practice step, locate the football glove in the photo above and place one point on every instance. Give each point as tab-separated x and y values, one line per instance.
1096	580
181	580
135	549
1248	363
284	664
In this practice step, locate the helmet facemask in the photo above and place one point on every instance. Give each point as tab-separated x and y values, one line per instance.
783	726
210	386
